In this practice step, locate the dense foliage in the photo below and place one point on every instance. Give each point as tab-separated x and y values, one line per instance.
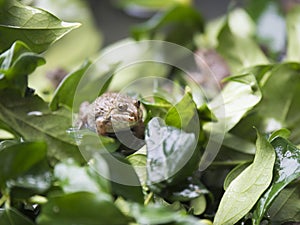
254	178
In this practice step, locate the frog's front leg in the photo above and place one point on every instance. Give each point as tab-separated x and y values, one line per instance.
82	119
101	126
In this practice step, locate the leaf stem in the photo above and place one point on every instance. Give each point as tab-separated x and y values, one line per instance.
3	199
148	199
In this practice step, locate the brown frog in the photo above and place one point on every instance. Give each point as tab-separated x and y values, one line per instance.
112	113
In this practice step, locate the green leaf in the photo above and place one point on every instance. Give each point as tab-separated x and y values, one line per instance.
36	27
124	179
158	108
73	178
234	174
286	206
12	217
171	153
239	51
284	133
64	94
293	32
279	107
184	114
14	160
31	118
157	214
36	180
240	95
139	161
81	208
16	64
286	170
151	4
183	22
244	191
187	190
198	205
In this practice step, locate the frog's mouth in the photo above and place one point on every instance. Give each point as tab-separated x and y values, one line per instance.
116	123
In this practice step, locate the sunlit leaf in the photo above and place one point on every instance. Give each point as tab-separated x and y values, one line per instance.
36	27
286	170
245	190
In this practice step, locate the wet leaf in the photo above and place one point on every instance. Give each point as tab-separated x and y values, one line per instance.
171	154
36	27
286	170
81	208
191	189
245	190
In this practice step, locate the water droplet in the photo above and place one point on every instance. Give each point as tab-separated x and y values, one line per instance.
35	113
55	209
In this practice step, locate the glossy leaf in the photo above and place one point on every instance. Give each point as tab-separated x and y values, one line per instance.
244	191
13	217
156	214
239	52
184	114
171	153
73	178
293	32
36	180
31	118
240	95
81	208
280	106
36	27
286	207
15	66
15	161
286	170
187	190
198	205
139	161
186	22
157	108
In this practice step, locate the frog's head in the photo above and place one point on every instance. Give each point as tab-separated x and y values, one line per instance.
122	115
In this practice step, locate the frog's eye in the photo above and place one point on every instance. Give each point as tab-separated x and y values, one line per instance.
122	106
137	104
